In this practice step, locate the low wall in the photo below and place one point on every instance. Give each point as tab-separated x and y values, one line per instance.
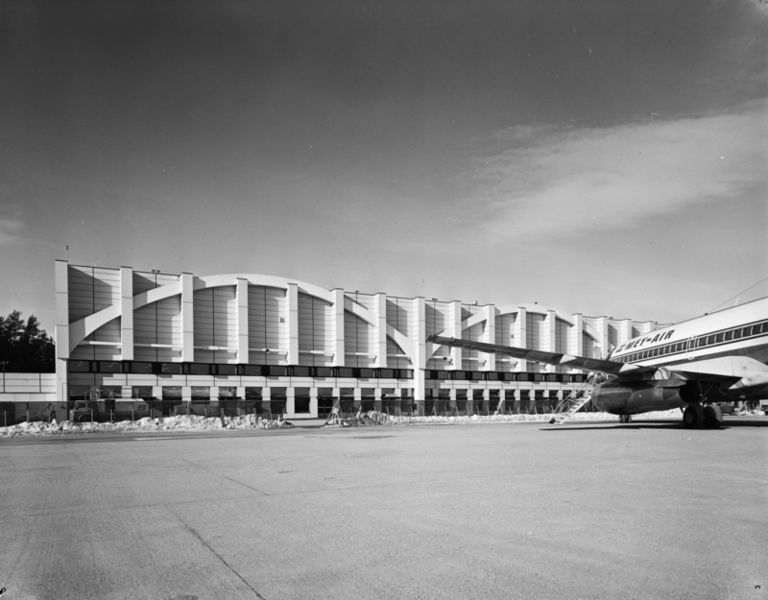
26	396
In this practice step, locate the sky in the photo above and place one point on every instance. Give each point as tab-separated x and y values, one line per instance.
600	157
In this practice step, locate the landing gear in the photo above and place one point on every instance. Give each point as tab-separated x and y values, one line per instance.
713	416
693	416
696	415
625	418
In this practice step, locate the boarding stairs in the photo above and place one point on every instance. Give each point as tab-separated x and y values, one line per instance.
570	405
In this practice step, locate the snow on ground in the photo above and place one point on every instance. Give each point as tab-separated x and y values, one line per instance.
198	423
146	424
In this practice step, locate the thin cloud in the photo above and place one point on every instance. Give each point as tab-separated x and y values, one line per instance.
551	182
10	230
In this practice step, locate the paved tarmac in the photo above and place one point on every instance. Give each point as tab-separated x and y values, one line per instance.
647	510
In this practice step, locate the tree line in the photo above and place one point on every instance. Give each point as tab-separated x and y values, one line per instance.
24	346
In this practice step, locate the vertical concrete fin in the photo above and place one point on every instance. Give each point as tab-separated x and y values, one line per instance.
380	304
61	330
126	313
292	321
489	336
550	340
454	331
338	328
521	335
62	309
417	333
601	325
241	293
187	318
576	338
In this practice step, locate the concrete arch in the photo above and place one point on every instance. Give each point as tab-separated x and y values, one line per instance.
210	281
507	309
81	329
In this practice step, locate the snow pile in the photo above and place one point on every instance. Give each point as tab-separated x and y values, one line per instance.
145	425
372	417
199	423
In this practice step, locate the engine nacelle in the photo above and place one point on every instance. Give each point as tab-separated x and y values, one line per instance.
633	398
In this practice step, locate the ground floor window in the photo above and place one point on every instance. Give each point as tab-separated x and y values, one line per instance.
301	400
277	402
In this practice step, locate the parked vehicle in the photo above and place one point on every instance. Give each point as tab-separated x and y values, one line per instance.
81	411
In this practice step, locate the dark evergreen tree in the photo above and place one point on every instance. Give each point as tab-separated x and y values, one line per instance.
24	346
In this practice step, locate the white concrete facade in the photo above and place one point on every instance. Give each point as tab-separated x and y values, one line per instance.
124	334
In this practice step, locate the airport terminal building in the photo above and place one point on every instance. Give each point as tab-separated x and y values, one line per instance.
184	343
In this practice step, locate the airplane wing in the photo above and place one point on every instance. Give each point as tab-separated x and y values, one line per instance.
735	371
551	358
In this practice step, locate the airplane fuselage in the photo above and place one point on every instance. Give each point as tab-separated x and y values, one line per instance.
695	364
716	357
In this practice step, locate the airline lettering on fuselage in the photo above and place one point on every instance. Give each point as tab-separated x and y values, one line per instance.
649	339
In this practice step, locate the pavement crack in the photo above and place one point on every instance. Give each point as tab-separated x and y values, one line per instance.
200	538
245	485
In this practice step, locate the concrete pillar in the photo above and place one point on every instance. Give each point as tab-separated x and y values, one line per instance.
187	318
380	329
625	331
290	401
550	323
337	327
489	337
521	335
417	335
126	392
266	399
313	401
241	294
501	406
601	324
575	345
292	321
576	338
240	392
126	313
550	337
61	333
454	330
214	394
358	398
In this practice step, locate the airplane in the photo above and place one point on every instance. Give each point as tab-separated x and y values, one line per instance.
693	365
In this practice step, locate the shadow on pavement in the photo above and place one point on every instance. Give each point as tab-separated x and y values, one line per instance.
727	424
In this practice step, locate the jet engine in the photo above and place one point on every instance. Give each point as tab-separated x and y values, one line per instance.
622	398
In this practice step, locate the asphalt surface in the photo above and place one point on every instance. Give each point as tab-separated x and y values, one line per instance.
647	510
